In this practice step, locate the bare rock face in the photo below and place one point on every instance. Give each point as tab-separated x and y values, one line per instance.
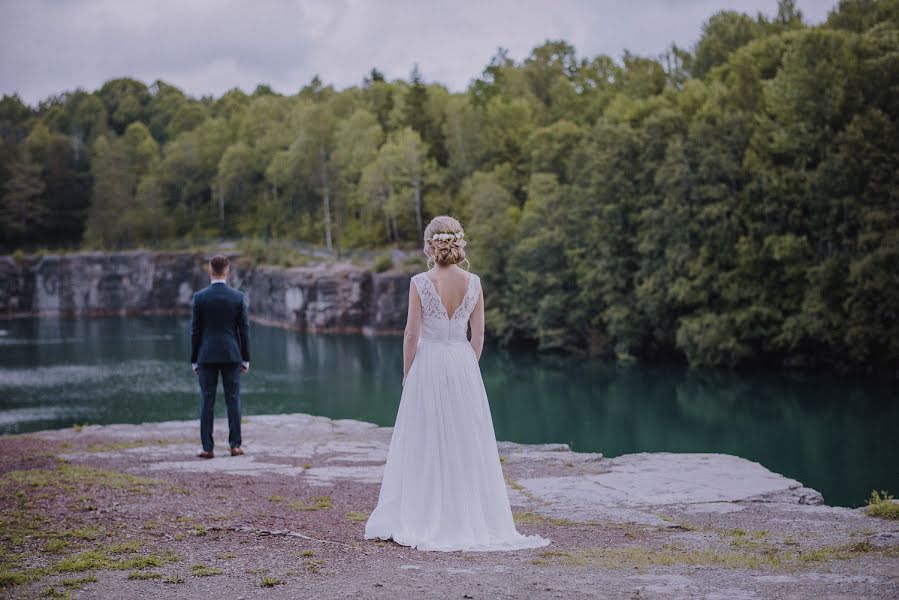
547	480
324	298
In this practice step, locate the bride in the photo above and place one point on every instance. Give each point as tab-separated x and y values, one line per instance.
443	487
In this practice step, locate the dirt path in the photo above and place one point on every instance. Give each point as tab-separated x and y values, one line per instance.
125	511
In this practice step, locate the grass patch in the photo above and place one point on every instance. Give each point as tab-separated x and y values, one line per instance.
512	483
14	578
307	466
91	560
21	525
675	524
76	584
55	545
315	503
529	518
881	505
125	548
131	444
356	517
669	555
200	531
83	533
204	571
141	562
71	477
100	559
752	557
144	575
52	592
314	566
307	553
270	582
173	578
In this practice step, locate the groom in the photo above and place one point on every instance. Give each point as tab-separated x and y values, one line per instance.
219	345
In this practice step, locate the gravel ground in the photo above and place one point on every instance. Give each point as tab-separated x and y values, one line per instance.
126	511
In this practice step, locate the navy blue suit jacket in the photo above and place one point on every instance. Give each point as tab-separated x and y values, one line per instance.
219	329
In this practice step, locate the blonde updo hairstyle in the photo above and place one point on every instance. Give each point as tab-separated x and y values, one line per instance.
444	251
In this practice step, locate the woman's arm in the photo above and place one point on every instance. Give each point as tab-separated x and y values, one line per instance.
413	330
477	326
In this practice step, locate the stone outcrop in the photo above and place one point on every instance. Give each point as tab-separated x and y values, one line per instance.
653	525
332	298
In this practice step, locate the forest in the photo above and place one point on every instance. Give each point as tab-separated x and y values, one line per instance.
732	204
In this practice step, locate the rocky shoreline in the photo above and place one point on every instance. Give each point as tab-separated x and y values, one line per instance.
326	298
127	511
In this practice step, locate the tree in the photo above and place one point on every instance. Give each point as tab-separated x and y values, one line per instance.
112	195
490	215
861	15
356	143
24	206
235	179
412	168
541	280
314	145
722	34
125	101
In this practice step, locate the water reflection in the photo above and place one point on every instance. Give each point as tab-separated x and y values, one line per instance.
832	434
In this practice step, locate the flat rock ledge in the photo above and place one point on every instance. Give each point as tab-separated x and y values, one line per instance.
287	519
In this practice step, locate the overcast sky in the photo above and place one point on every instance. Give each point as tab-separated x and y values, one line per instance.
210	46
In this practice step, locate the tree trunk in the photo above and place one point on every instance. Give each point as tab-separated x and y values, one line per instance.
418	219
221	192
326	199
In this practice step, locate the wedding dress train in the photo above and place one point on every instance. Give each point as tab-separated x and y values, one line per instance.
443	486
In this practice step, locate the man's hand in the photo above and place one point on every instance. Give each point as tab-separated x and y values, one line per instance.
196	368
245	367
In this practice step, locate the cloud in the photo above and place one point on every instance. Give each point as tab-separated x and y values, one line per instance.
210	46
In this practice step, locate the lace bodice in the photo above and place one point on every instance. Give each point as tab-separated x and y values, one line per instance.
437	325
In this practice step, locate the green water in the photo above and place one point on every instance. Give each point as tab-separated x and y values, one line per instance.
833	434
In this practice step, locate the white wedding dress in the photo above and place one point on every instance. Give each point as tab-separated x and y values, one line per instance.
443	487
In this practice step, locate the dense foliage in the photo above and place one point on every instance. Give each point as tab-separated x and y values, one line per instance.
734	204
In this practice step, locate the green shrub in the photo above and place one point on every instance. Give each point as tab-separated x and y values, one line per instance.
882	506
383	263
416	263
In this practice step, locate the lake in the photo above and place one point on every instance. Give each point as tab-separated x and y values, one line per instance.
837	435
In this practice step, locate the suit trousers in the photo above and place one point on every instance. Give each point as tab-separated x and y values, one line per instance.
208	374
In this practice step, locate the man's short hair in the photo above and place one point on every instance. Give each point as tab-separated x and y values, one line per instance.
218	264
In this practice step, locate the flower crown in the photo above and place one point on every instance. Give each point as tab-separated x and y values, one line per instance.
446	236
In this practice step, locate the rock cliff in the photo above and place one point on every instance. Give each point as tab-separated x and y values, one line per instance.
322	298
